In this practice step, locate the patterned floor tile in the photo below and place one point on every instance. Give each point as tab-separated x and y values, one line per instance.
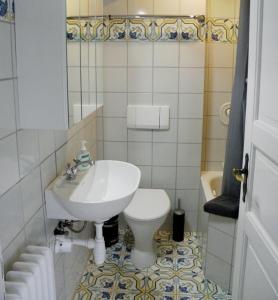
176	275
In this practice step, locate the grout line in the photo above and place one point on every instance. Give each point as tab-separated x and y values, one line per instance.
23	227
8	78
8	135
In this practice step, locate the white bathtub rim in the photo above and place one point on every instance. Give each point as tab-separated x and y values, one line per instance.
206	178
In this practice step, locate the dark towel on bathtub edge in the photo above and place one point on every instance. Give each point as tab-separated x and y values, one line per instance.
225	206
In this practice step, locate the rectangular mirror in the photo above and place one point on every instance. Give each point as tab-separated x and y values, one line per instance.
81	59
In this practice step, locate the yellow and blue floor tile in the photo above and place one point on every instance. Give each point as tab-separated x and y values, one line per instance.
176	275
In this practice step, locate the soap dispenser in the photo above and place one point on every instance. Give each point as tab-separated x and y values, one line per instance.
83	157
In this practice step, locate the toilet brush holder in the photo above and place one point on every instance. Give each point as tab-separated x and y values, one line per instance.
178	224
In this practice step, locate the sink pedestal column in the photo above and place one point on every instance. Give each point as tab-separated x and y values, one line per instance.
99	250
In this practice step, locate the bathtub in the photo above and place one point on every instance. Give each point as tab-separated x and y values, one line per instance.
216	234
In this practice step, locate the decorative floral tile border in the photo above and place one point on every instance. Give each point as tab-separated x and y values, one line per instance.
222	30
196	28
7	9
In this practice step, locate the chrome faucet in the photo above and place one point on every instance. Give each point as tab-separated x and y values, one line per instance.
71	171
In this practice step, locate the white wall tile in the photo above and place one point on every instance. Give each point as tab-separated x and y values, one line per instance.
100	133
140	54
163	177
73	8
191	80
114	104
220	244
140	98
11	253
166	80
6	51
191	105
100	151
215	150
191	218
115	151
85	54
60	137
73	54
61	159
114	54
59	278
146	176
189	199
35	229
188	177
28	149
88	79
14	66
165	7
100	80
74	79
190	131
193	7
92	55
7	104
214	102
220	79
140	7
9	163
215	129
223	224
84	8
96	7
11	215
164	154
166	54
140	80
140	153
48	171
168	136
218	271
137	135
218	8
192	55
46	143
115	79
189	155
115	7
115	129
220	55
170	100
31	194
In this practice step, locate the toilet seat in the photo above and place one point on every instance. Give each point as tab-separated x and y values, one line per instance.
148	205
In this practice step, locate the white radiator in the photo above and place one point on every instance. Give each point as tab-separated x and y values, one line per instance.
32	276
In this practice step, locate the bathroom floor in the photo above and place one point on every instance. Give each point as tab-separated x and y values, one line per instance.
177	274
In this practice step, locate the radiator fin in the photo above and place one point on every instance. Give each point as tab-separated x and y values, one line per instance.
32	276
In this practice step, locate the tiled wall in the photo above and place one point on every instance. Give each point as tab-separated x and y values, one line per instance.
166	73
220	62
29	160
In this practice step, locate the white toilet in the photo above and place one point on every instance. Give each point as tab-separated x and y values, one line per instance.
146	212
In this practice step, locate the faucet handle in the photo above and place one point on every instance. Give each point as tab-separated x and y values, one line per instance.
76	161
70	172
68	166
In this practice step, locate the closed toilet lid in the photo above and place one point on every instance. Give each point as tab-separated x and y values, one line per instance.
148	204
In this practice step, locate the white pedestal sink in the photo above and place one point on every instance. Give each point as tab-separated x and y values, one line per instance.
96	195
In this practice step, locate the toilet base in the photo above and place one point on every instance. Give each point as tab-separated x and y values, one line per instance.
142	259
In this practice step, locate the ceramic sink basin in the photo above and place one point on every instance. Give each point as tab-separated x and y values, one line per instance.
98	194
